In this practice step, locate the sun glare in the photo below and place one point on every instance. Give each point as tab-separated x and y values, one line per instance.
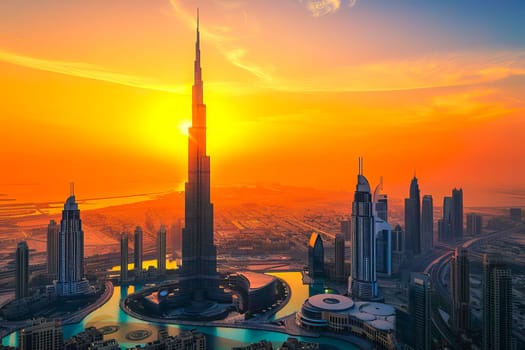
184	126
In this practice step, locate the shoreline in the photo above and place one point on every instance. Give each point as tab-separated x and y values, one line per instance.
76	317
288	327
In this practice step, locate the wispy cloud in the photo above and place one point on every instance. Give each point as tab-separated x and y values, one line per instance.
459	69
442	70
320	8
467	106
236	56
448	70
419	73
222	38
88	71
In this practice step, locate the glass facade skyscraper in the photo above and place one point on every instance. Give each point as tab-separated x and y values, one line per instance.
364	275
71	279
413	219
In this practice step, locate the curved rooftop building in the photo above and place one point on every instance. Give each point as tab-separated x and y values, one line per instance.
338	313
380	202
71	280
364	278
316	255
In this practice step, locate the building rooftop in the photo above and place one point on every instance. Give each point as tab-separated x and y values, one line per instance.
71	203
362	184
257	280
378	309
313	238
382	325
331	302
378	315
363	316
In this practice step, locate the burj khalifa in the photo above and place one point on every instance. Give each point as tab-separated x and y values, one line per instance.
199	254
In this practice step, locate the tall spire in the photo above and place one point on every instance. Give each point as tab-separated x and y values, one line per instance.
199	255
197	70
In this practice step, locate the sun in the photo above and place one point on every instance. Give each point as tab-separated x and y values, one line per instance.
184	126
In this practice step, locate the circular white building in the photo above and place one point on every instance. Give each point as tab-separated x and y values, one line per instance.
338	313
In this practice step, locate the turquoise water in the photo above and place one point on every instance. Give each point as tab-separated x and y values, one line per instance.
218	337
300	291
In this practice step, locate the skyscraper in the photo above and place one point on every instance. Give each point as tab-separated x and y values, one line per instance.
52	248
474	224
199	254
457	213
497	304
316	255
413	219
175	237
380	202
71	279
346	230
419	309
383	231
124	253
137	251
339	257
515	214
364	277
383	242
161	250
42	334
427	224
404	328
398	244
398	248
445	224
22	270
460	290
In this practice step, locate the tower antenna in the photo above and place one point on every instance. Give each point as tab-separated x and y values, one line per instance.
71	188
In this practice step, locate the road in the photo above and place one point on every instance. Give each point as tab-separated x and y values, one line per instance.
435	270
311	227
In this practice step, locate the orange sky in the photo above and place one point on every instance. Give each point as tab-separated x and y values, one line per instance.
99	92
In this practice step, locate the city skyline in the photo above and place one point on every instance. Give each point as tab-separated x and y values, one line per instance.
442	95
316	261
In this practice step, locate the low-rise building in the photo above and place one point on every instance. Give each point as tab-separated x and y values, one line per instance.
185	340
253	291
110	344
83	340
338	313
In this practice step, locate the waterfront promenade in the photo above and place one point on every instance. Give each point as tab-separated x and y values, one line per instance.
71	318
241	331
286	325
261	322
